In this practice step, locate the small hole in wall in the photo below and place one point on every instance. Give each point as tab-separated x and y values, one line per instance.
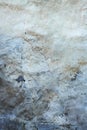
20	79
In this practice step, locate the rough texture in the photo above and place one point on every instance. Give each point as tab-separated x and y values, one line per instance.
43	63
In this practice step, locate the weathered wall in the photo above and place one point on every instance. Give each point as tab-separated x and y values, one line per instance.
44	42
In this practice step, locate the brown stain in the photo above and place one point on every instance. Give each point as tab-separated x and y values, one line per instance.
35	37
39	36
25	39
47	4
82	63
72	69
12	7
70	73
